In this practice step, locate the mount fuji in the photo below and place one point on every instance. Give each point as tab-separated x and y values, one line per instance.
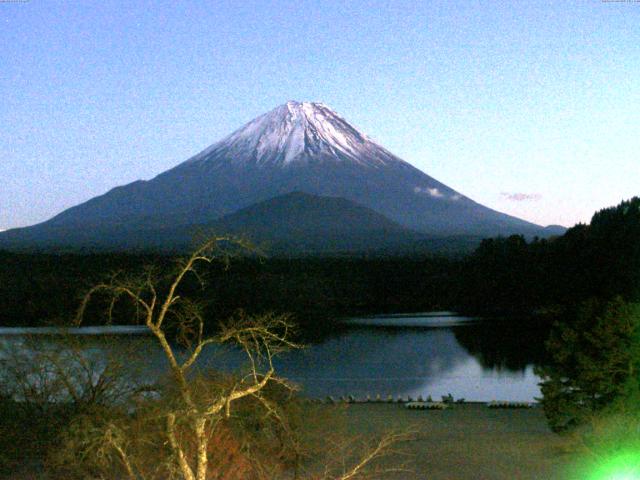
297	147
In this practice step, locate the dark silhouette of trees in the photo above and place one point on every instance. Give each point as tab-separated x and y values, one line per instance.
599	260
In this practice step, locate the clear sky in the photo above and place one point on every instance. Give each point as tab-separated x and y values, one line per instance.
529	107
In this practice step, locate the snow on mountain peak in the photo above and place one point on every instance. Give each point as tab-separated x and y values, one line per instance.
297	132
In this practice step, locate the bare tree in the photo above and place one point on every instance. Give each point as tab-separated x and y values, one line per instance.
260	337
196	413
333	452
41	374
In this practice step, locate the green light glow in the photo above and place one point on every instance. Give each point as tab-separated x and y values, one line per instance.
623	466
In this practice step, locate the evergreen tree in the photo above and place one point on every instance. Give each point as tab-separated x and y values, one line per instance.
595	362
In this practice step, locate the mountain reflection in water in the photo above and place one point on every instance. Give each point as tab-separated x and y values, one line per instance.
427	354
404	355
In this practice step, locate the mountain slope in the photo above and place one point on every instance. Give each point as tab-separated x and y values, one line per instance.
299	222
303	147
295	223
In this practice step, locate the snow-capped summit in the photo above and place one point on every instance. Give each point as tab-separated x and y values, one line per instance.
296	147
297	132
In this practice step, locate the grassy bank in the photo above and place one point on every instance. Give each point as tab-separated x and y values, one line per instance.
469	441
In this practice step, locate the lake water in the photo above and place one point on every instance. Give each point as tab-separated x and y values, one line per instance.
415	355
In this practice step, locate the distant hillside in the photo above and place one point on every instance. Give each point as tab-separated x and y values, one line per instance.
300	222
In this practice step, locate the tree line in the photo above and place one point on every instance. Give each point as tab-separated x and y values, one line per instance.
600	260
40	289
504	276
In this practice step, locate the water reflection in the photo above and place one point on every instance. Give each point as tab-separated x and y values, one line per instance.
504	345
371	361
441	355
411	361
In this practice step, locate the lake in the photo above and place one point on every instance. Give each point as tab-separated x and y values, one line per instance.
433	353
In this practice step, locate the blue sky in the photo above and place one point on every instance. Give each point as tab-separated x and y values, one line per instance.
531	108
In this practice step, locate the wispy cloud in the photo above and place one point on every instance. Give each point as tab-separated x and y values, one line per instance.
434	192
521	197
